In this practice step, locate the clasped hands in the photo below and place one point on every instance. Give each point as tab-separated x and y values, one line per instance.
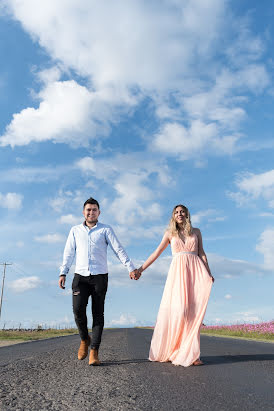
136	274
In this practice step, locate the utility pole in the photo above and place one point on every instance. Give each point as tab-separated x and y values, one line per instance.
3	283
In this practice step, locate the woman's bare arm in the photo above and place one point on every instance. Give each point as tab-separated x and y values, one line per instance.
161	247
201	251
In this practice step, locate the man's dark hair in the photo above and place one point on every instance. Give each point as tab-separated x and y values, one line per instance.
91	201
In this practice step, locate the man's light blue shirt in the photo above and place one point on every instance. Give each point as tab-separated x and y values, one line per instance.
89	246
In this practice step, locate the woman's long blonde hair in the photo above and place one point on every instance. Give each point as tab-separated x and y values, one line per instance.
173	227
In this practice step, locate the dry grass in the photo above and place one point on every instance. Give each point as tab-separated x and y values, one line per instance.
223	331
28	335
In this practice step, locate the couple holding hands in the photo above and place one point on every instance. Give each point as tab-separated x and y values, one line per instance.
176	336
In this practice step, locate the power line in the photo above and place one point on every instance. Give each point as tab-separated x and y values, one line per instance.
17	268
3	283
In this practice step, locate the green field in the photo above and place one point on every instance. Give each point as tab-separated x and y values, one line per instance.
263	332
239	334
26	335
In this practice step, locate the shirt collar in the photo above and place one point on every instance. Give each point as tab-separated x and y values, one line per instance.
87	228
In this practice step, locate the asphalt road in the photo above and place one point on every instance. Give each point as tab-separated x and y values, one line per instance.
46	375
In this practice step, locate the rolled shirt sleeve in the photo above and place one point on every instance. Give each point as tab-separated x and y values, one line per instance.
69	253
118	249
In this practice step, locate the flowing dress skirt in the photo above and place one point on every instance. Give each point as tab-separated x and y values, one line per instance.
176	336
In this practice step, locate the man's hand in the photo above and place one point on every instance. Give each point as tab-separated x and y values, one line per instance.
132	274
62	281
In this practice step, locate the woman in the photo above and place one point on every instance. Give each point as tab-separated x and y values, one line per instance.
176	336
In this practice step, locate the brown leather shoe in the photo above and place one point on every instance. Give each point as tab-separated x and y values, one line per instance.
83	349
93	357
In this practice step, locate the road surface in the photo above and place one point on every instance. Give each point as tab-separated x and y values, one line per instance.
46	375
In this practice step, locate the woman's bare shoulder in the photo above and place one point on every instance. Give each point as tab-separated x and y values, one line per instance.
168	235
196	230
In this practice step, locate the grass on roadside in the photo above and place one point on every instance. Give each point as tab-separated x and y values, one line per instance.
27	335
262	331
239	334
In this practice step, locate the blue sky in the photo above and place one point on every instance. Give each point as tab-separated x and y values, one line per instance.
142	105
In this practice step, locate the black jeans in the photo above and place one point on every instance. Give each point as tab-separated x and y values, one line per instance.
83	287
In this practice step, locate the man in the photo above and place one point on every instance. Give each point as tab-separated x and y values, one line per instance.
88	242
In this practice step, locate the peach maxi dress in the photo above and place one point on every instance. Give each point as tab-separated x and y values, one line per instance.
176	336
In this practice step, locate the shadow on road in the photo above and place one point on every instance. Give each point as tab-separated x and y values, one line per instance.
208	360
225	359
123	362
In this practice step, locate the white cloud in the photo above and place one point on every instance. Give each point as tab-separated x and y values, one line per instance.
254	186
213	114
123	321
266	214
214	104
221	267
11	200
87	164
34	174
65	293
148	232
265	246
70	219
105	168
246	46
49	75
237	317
20	244
217	320
66	198
253	312
197	140
24	284
132	200
105	42
210	215
155	274
135	197
219	102
58	202
68	113
50	238
224	267
246	317
228	296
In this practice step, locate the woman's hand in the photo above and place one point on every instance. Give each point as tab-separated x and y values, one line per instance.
139	273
